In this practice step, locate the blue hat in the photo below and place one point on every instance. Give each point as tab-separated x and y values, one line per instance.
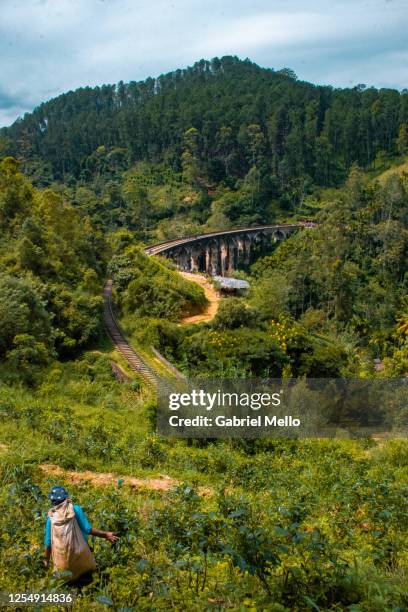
57	495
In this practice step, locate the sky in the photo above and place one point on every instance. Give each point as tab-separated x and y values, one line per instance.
48	47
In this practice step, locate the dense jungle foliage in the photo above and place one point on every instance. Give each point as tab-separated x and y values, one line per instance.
51	270
277	525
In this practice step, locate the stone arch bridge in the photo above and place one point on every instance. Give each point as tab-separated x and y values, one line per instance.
218	253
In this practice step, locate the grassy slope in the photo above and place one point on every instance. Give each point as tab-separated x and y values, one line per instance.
80	418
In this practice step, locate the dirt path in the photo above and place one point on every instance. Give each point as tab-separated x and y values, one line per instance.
211	294
101	479
164	483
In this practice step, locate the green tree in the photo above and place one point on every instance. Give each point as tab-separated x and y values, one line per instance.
28	357
402	140
22	311
234	313
193	170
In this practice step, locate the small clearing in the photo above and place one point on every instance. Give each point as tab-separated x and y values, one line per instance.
211	294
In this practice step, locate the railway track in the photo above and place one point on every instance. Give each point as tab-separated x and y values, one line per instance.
118	338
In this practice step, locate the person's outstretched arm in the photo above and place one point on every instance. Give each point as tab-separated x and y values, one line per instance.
108	535
86	527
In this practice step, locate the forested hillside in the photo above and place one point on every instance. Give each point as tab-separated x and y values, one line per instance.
255	139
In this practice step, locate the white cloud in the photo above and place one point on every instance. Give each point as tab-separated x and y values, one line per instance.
344	34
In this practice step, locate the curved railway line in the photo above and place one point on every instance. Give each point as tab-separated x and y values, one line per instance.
118	338
117	335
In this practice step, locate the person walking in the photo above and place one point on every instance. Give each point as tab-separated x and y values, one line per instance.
66	536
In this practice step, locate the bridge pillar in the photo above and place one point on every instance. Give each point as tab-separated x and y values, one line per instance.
176	255
232	255
194	260
207	260
247	250
224	257
215	257
240	250
184	260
